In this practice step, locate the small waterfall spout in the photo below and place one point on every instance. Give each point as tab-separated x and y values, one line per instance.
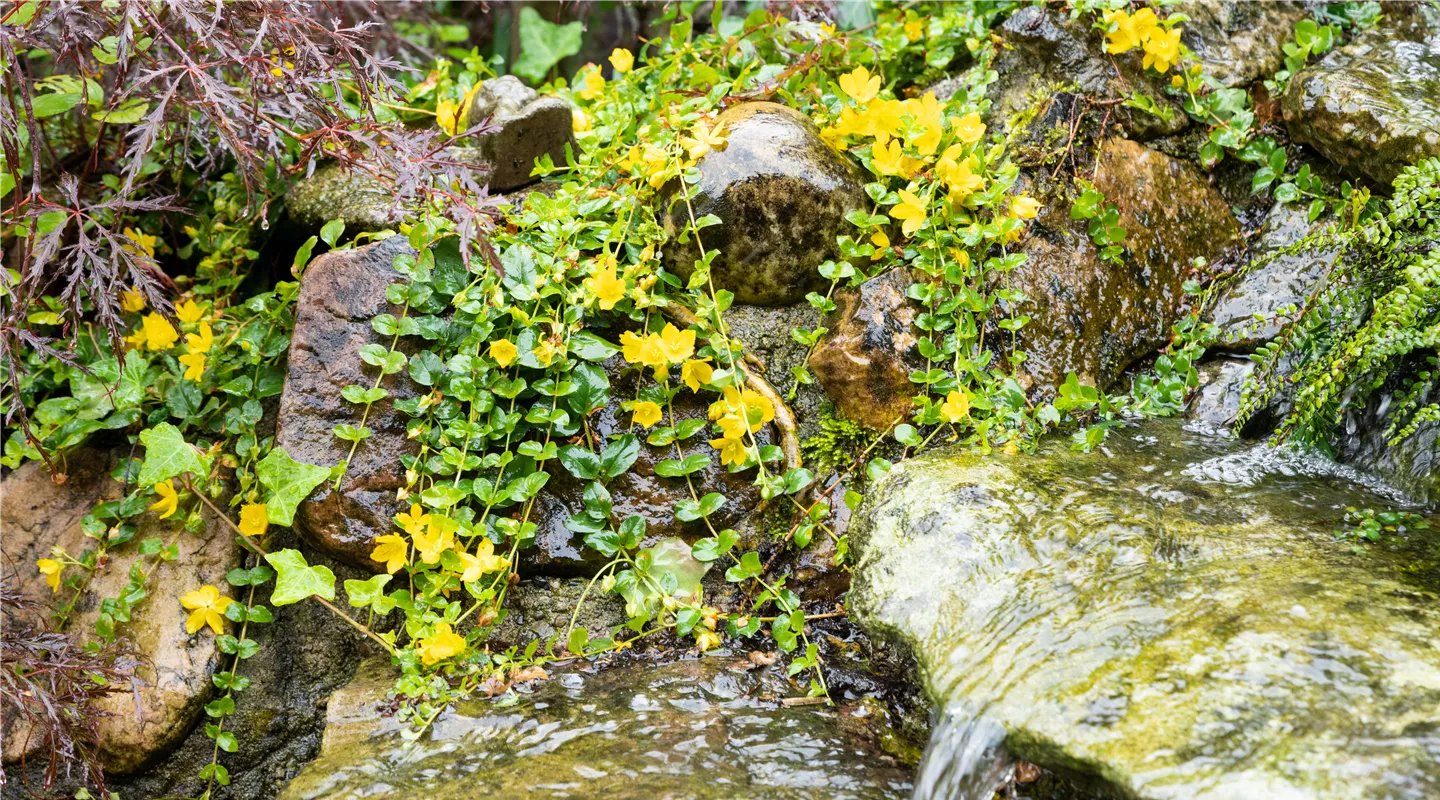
965	760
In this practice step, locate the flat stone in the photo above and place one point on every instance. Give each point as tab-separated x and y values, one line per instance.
1174	618
340	293
781	195
530	126
134	728
1094	317
706	729
865	360
1372	106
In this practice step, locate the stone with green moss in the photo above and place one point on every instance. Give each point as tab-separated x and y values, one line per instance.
1174	617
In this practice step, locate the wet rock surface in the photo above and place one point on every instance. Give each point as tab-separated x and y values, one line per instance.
865	360
1372	106
1238	42
1246	312
340	293
529	126
174	679
560	552
1046	50
1221	381
1412	464
1175	620
781	195
707	728
1095	317
361	201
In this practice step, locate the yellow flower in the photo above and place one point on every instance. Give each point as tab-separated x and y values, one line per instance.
253	519
707	640
608	288
969	129
207	607
201	342
622	60
169	502
447	114
889	158
702	140
545	352
189	311
593	84
1025	207
444	644
131	300
1123	34
930	117
51	569
157	333
914	30
144	240
503	351
695	372
437	537
860	85
959	175
392	551
482	562
646	413
644	350
956	406
1162	49
911	210
578	121
194	366
416	520
882	244
732	451
736	411
676	345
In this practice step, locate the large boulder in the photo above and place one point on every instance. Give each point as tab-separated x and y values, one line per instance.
781	195
1175	619
1095	317
528	126
1248	310
865	359
340	293
705	729
136	726
1372	106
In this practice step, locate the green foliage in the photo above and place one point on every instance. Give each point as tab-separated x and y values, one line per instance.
1376	310
543	44
1369	525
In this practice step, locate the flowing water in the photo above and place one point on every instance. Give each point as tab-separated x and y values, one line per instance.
1171	617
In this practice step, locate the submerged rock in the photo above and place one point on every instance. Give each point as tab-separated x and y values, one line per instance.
781	195
709	728
865	360
1094	317
136	726
340	293
529	126
1174	618
1247	311
1372	106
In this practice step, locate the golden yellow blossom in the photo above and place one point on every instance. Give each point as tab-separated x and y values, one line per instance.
606	287
695	372
910	210
956	406
1025	207
545	352
732	451
676	345
914	30
157	333
253	519
444	644
437	537
413	522
145	241
646	413
702	140
1162	49
889	158
51	569
639	349
201	342
484	561
392	551
503	351
593	84
207	607
969	129
859	85
707	640
929	115
169	501
194	366
622	60
882	244
578	121
132	300
189	311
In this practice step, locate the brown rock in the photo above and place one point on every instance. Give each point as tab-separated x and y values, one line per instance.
174	680
781	195
1094	317
639	490
341	292
864	361
530	126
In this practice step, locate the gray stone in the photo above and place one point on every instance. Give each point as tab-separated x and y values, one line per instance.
1174	617
1218	399
1372	106
781	195
1247	311
1412	464
529	126
340	293
1238	42
706	729
334	192
865	359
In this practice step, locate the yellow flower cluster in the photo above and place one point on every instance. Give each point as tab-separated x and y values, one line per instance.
156	333
737	413
450	115
432	535
1126	31
659	350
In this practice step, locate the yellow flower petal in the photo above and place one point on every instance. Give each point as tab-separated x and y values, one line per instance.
253	519
647	413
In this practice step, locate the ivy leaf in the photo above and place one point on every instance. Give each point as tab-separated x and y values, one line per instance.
543	44
296	580
370	593
167	454
289	481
